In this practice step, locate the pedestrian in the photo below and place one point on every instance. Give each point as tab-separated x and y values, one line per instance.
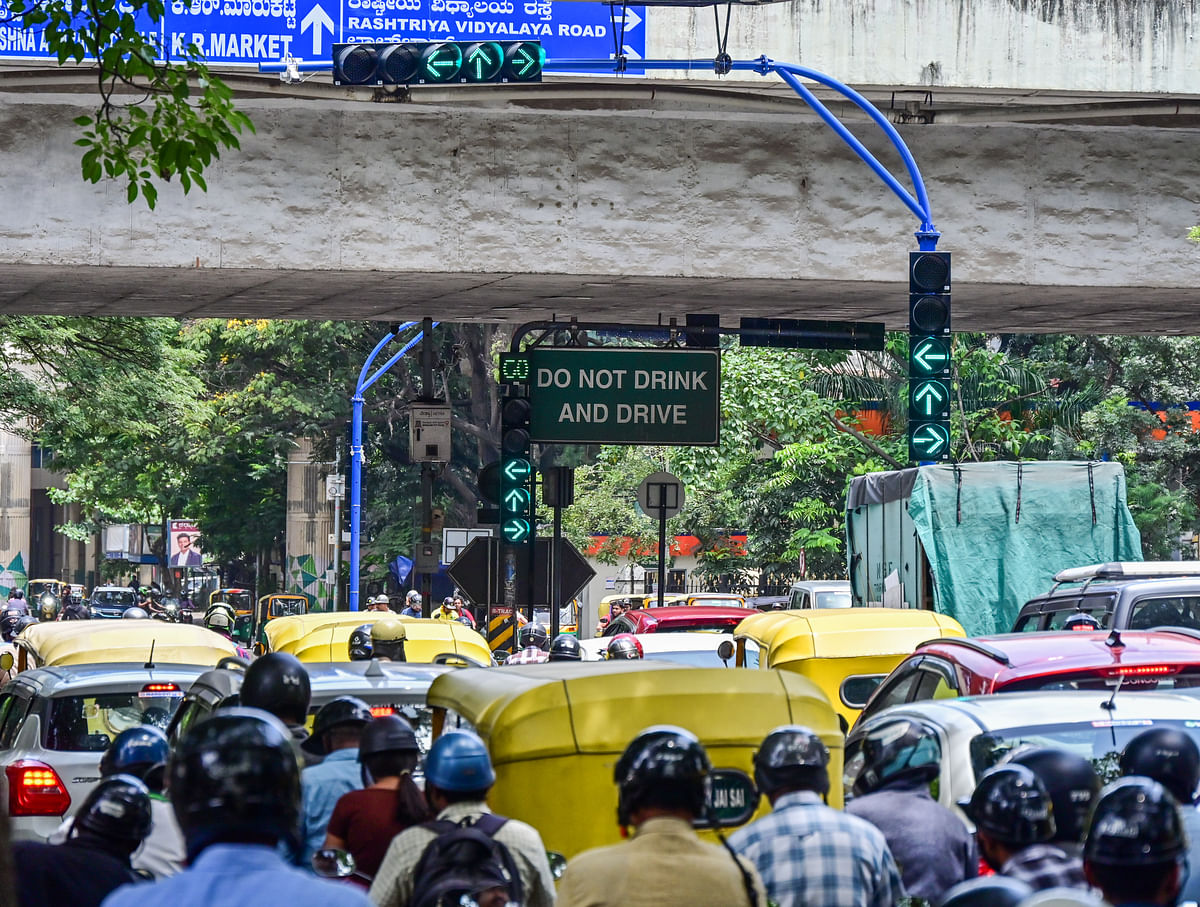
365	821
142	752
235	785
464	613
277	683
412	604
534	642
1171	758
662	782
1014	826
337	729
1136	848
933	849
1073	786
458	776
808	854
387	639
94	860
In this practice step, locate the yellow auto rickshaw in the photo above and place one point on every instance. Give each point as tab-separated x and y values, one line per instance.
326	637
76	642
718	599
561	726
240	600
846	651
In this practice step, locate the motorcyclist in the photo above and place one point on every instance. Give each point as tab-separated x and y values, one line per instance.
623	646
94	860
1014	825
16	601
235	784
277	683
1171	758
75	610
565	648
534	642
8	623
1073	786
379	603
360	643
412	604
932	847
337	729
662	783
387	639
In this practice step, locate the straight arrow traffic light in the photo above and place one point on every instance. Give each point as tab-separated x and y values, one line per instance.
438	62
929	356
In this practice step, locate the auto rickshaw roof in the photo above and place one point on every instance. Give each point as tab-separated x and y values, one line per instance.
561	708
86	641
326	636
844	632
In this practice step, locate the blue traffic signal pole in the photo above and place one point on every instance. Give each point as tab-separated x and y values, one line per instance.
356	447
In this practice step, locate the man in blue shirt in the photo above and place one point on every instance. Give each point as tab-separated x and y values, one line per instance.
808	854
235	787
337	729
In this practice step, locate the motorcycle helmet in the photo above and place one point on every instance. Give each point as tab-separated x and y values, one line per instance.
458	761
907	751
1071	782
792	756
1011	805
387	639
1081	621
277	683
360	643
387	734
27	620
662	762
17	595
1136	823
987	891
344	711
135	613
1167	756
533	634
8	623
117	812
218	620
623	646
566	648
236	772
412	597
135	751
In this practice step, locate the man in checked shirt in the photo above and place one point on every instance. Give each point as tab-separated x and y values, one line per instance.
808	854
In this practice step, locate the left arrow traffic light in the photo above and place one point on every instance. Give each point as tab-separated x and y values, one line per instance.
438	63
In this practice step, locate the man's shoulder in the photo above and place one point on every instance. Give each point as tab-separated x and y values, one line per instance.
518	831
603	859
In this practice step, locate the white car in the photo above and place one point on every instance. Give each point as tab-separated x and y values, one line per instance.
698	649
976	732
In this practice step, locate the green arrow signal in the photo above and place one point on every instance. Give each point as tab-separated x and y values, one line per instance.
931	439
516	530
523	61
931	355
517	470
930	397
484	61
442	63
516	500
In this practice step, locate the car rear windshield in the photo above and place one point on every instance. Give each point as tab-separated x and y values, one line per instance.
114	597
697	626
89	723
1100	741
833	600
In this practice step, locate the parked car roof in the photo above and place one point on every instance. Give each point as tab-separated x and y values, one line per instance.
676	619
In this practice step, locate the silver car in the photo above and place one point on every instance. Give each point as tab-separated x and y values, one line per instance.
56	723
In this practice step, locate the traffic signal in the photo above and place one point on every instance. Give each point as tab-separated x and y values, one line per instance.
929	384
438	62
516	472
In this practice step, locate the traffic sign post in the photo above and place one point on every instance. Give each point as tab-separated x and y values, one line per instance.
480	571
929	352
661	495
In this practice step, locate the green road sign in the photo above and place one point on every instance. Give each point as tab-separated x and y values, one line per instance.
625	396
929	441
930	356
441	62
930	399
483	61
515	529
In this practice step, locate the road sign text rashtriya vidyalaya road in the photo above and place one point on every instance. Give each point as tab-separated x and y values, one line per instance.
625	396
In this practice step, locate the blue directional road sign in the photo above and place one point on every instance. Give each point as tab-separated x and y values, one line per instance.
249	32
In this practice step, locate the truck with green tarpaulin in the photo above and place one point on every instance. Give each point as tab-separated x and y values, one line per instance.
977	540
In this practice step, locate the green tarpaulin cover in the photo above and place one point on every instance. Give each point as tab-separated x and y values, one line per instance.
996	533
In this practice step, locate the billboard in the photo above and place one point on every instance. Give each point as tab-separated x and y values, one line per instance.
184	544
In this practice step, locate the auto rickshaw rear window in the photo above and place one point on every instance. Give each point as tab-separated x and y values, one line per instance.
89	723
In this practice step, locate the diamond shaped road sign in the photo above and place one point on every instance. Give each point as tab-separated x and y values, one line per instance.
476	571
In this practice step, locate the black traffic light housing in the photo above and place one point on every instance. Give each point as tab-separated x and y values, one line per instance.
438	62
516	472
929	356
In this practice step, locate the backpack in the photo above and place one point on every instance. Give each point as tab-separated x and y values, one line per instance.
464	859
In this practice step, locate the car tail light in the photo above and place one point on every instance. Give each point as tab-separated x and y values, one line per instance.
1142	671
34	789
381	711
156	690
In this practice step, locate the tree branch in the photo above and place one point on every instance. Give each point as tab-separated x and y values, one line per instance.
863	439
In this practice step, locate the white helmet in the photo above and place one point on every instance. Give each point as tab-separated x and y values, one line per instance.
413	595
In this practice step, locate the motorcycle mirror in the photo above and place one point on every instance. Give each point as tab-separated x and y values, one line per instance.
558	864
333	864
6	662
725	651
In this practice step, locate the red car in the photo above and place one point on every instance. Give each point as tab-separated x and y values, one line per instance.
1166	659
678	620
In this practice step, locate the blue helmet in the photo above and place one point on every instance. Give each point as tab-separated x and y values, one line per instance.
135	751
458	761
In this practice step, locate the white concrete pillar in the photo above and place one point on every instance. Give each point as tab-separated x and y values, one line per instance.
308	553
15	453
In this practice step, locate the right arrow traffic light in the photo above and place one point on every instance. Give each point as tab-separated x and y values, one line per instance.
929	350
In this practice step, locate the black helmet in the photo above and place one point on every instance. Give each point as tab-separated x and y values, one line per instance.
987	891
135	613
117	811
360	643
1011	805
27	620
909	751
387	734
1168	756
135	751
345	710
18	594
1136	822
387	638
235	772
1081	621
533	634
277	683
566	648
792	756
1071	782
8	623
659	758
